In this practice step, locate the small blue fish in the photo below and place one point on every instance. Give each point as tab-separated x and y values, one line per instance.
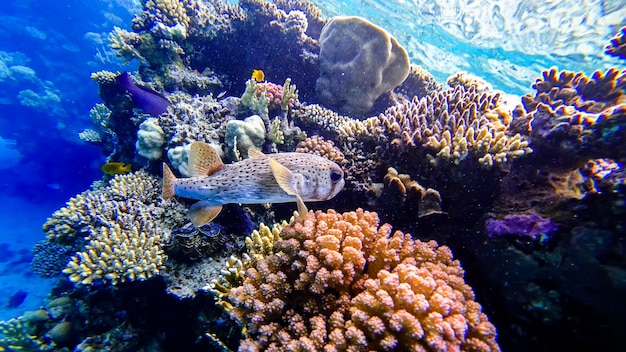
147	99
273	178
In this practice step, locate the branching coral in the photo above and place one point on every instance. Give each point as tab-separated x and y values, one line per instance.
166	12
342	282
574	114
319	146
123	224
194	119
455	123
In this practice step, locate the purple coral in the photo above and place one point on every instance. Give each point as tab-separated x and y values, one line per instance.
527	224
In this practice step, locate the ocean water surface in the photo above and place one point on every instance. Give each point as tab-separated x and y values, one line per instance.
49	50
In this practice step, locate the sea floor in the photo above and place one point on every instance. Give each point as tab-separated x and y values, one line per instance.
20	223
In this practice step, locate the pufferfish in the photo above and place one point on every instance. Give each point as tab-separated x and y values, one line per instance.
262	178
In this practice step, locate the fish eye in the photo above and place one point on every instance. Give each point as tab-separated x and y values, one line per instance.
335	176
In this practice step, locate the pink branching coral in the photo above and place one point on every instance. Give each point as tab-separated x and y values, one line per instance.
341	282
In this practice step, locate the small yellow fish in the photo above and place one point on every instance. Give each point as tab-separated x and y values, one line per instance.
258	75
260	179
116	168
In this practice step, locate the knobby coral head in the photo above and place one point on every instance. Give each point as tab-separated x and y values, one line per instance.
339	282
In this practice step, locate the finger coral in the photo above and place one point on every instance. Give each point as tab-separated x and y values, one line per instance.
341	282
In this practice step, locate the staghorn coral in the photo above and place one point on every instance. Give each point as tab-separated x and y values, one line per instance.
17	335
587	94
318	146
468	80
126	45
315	291
104	77
125	251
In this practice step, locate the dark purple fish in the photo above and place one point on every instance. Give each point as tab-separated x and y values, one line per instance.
147	99
17	299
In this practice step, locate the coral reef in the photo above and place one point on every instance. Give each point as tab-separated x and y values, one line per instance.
123	225
359	61
319	146
573	115
315	291
398	191
617	46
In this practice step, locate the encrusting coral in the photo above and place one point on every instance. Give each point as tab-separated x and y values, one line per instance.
341	282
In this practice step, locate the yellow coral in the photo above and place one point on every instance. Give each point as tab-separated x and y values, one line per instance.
118	254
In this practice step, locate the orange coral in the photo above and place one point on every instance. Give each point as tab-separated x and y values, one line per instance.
341	282
318	146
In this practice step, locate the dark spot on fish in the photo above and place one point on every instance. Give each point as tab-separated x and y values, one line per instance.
17	299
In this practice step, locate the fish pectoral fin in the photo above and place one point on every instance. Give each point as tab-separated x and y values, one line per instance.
302	209
252	152
284	177
203	159
203	212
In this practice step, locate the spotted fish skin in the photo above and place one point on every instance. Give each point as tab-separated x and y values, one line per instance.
251	181
274	178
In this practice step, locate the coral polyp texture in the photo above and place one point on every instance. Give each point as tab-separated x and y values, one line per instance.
342	282
576	114
454	124
122	225
359	61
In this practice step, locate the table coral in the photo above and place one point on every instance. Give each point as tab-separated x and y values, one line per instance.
341	282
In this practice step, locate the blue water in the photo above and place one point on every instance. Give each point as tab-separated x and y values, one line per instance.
47	52
48	49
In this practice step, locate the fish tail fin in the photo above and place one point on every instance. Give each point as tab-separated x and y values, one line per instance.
169	179
127	168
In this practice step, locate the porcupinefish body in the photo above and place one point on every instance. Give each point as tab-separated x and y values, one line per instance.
273	178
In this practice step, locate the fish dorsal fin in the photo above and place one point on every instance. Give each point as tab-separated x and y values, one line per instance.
203	159
203	212
284	177
252	152
302	209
